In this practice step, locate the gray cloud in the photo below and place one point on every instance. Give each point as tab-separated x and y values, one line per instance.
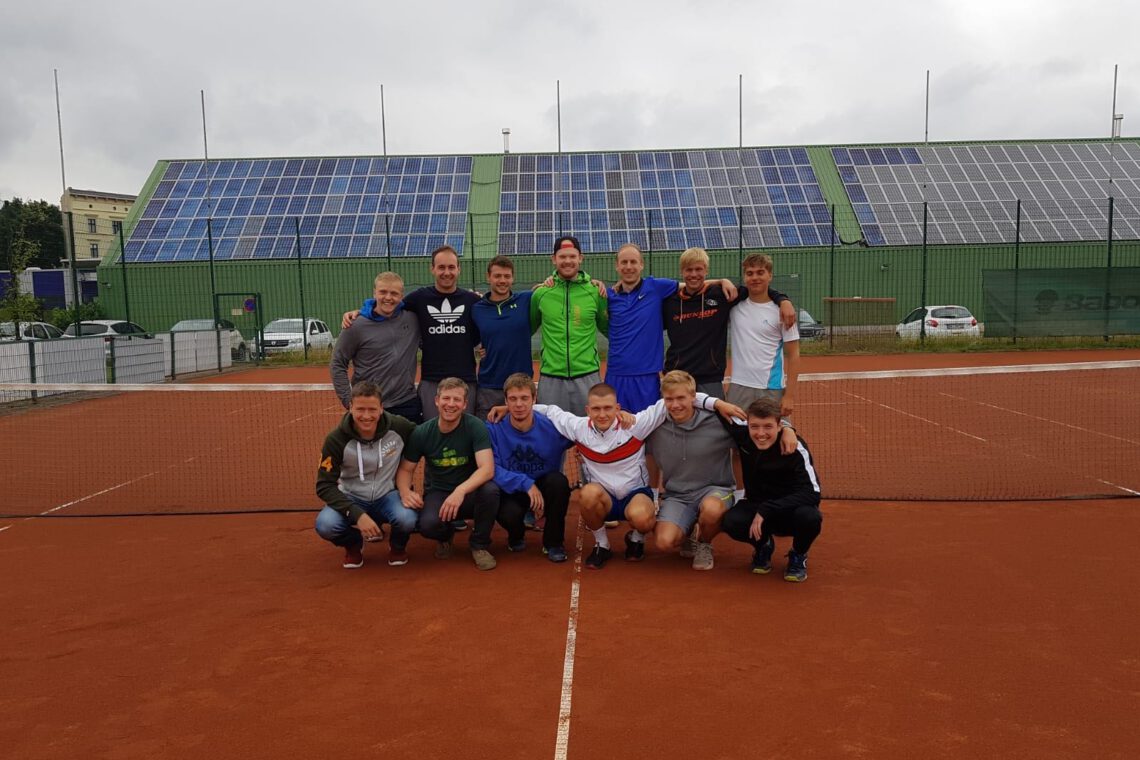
283	80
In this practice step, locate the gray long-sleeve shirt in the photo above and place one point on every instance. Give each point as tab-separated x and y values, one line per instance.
693	455
383	352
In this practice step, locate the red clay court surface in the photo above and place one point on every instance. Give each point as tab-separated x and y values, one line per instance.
925	630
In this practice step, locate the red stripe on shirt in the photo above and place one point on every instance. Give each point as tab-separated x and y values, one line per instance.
626	450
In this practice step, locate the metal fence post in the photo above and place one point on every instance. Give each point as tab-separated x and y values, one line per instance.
74	272
214	288
1016	270
922	300
831	278
1108	271
301	289
123	264
31	362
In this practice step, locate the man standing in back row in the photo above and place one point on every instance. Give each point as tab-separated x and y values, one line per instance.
570	313
448	334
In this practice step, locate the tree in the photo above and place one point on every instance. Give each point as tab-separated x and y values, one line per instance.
16	306
38	222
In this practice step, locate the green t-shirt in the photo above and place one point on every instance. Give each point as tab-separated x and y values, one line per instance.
449	457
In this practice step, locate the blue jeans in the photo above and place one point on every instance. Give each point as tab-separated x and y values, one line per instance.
334	527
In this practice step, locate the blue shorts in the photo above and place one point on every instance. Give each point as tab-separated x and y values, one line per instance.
617	508
636	392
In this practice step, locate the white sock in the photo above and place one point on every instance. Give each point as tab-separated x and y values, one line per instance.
656	495
601	538
739	494
637	536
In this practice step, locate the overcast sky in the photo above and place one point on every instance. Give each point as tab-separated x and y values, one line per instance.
300	78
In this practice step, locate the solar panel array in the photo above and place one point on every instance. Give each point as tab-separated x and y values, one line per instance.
972	191
662	200
341	205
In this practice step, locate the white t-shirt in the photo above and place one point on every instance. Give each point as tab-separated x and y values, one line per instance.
758	341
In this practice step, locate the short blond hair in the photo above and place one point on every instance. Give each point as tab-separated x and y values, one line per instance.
678	378
388	277
694	256
634	246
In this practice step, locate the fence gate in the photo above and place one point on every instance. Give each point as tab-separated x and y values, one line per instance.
243	310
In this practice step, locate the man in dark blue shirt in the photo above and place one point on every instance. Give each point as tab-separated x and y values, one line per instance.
503	320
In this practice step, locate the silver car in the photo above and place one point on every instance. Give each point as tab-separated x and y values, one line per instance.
29	331
230	334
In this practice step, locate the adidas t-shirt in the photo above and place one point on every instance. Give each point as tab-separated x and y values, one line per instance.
448	335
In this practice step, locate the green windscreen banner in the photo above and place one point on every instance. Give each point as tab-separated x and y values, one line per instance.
1058	302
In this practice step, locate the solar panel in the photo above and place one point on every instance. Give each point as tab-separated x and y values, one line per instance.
662	200
341	204
971	190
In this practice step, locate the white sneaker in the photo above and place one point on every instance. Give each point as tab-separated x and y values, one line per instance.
703	558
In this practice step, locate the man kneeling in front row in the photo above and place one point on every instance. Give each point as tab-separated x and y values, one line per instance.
781	493
458	468
528	457
354	479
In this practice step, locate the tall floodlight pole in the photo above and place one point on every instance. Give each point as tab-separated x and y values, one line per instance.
210	235
926	135
1117	119
66	222
740	109
383	124
558	159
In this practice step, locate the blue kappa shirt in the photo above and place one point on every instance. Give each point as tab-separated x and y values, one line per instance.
520	458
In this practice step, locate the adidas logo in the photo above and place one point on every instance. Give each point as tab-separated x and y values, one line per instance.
446	316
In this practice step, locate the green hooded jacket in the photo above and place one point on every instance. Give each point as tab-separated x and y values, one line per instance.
569	313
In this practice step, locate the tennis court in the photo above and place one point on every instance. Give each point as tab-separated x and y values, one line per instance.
997	626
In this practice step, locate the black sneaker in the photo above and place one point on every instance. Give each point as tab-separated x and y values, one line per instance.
598	558
634	550
762	557
796	571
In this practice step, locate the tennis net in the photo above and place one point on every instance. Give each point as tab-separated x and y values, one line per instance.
979	433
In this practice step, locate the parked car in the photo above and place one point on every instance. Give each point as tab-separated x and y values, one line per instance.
239	351
282	335
29	331
809	328
940	322
108	328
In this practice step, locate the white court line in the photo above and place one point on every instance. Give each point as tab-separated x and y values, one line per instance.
1042	419
562	743
178	464
915	416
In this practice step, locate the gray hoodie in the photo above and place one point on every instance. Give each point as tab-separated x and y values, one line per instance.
693	455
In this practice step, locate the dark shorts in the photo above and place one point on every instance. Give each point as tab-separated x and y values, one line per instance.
636	392
617	506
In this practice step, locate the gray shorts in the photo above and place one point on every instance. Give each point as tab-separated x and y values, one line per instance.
742	395
716	390
427	398
485	398
683	509
568	394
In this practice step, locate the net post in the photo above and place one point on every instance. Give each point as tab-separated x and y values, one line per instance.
1108	270
1016	267
301	289
831	280
922	325
112	370
123	264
